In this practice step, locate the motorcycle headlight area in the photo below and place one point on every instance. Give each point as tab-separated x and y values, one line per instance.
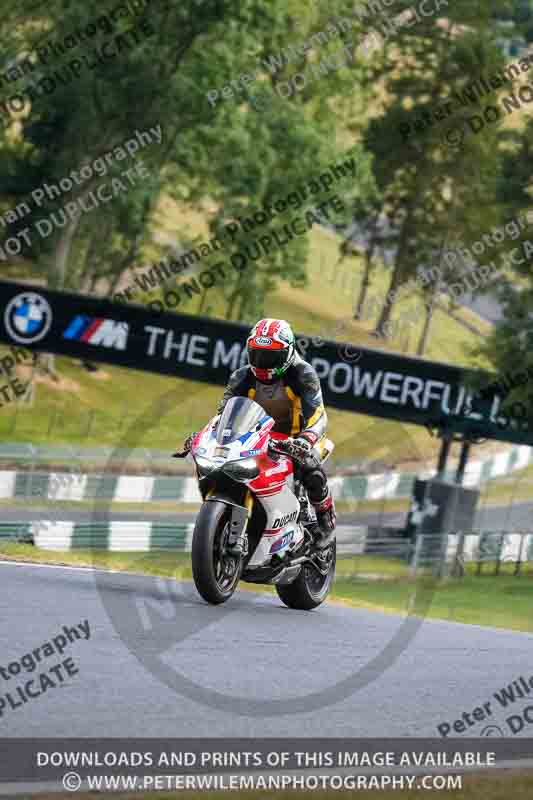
243	470
204	465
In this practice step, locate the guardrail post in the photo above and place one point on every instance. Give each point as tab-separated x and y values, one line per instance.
416	554
458	569
443	456
479	554
463	459
440	565
29	483
499	555
518	565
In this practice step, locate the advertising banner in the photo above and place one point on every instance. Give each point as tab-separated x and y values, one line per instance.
357	379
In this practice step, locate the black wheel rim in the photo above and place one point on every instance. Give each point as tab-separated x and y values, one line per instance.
225	567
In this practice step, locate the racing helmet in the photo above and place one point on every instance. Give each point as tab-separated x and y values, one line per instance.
271	349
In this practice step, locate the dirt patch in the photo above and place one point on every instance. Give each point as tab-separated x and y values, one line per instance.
61	384
100	375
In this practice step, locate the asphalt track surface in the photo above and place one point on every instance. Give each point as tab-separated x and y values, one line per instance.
251	649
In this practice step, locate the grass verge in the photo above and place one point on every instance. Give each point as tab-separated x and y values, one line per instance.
118	407
370	582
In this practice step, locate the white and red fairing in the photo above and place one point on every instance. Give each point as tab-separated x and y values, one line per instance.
272	488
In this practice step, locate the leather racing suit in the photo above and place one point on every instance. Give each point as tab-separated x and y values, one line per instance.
295	402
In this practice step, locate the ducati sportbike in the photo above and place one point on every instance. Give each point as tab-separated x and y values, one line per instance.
254	520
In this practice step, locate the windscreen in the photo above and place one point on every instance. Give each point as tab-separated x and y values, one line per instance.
239	416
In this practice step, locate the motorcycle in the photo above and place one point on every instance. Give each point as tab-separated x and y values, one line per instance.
255	516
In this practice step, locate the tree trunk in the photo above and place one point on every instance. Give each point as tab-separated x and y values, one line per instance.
63	247
430	307
386	309
397	274
231	303
422	344
365	284
44	364
203	298
369	255
243	298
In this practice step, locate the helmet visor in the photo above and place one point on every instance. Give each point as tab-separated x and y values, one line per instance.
267	359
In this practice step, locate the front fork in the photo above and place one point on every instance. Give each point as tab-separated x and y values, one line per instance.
240	516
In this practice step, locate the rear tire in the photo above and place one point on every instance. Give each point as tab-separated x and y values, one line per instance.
310	588
209	568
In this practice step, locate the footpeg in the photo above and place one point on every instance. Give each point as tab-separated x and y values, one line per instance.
321	539
324	540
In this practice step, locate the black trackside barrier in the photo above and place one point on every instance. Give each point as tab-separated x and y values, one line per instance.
365	381
439	507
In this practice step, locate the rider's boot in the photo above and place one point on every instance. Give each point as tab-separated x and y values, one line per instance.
324	531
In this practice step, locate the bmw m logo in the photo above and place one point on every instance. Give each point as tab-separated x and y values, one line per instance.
28	318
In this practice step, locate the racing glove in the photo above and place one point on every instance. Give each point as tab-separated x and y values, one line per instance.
187	446
301	446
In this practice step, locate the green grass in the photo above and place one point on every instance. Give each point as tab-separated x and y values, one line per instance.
57	506
514	488
503	601
119	407
126	408
329	297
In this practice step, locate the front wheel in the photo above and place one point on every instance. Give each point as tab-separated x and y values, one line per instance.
216	574
311	587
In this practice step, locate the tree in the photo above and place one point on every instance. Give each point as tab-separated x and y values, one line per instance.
511	342
228	155
422	186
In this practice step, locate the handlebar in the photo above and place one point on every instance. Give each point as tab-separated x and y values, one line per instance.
181	454
279	445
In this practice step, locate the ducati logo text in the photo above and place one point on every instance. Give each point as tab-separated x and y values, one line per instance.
281	521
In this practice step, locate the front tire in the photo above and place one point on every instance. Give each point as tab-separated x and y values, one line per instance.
215	575
310	588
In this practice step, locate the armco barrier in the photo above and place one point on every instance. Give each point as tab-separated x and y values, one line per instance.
125	536
446	551
141	536
146	489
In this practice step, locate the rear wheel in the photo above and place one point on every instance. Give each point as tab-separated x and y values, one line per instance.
216	573
311	587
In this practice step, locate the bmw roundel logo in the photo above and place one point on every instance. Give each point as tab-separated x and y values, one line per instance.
27	317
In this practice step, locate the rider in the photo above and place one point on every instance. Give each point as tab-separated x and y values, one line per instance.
288	389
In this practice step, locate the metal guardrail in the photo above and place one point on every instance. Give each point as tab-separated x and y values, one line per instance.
444	554
29	457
